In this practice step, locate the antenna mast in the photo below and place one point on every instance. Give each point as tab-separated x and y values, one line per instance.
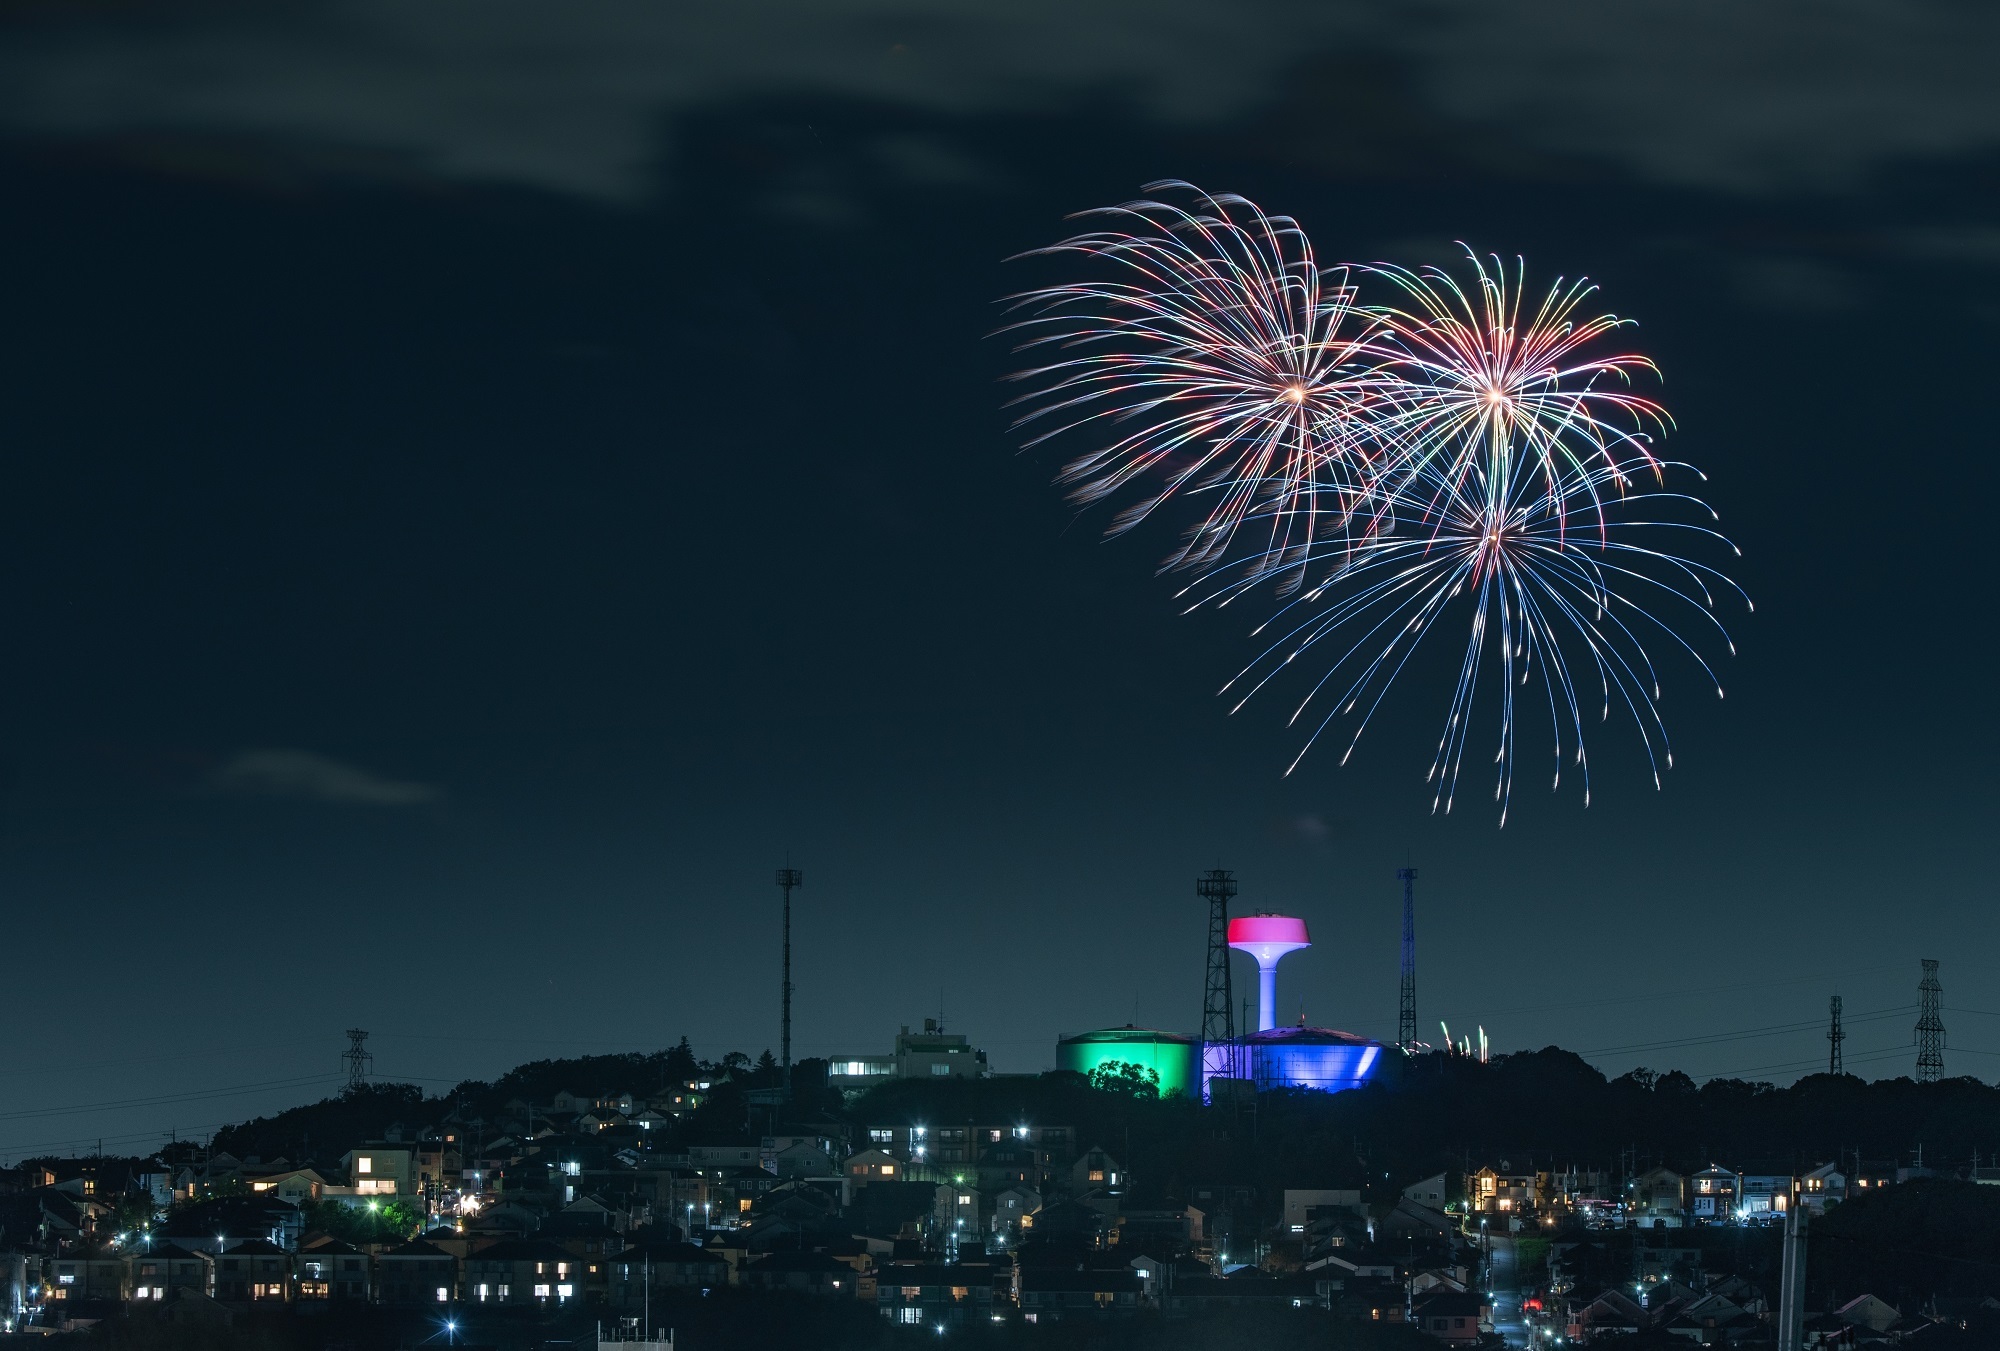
1930	1025
1218	1019
1406	1008
787	879
1834	1037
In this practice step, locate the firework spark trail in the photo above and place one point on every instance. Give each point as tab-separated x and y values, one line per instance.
1562	599
1248	378
1382	468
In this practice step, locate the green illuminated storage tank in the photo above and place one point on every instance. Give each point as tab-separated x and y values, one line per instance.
1169	1056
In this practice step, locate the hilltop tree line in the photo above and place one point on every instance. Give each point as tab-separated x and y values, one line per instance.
1437	1113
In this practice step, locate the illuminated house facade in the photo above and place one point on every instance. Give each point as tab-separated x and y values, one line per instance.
381	1171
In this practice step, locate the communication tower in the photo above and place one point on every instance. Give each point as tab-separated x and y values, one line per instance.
1930	1025
1834	1037
358	1059
1218	1018
1406	1008
787	879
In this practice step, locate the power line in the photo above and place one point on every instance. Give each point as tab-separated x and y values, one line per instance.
1774	1029
160	1100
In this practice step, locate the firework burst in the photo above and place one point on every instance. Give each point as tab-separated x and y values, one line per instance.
1221	367
1446	458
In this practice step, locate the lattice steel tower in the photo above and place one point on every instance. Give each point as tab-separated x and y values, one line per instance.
357	1057
1834	1036
1930	1025
1406	1007
1218	1016
787	879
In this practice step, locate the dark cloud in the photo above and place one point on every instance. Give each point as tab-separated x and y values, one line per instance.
577	98
302	774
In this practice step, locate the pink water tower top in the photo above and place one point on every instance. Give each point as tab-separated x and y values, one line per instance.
1267	938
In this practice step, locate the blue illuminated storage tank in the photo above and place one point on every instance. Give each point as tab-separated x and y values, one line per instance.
1311	1057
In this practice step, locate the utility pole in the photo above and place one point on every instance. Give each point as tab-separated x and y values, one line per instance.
1930	1025
357	1058
1792	1289
1218	1018
1834	1037
1406	1008
787	879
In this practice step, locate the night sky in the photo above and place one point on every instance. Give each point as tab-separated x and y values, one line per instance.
485	484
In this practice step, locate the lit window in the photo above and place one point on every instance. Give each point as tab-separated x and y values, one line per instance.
940	1069
563	1291
541	1292
142	1293
364	1164
503	1291
443	1294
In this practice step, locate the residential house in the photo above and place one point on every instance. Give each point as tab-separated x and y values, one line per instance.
1659	1199
1298	1206
1505	1190
296	1185
1170	1229
1009	1208
521	1273
414	1274
1096	1170
160	1271
1612	1314
1451	1316
1049	1294
254	1271
1247	1288
1763	1192
1712	1195
1428	1192
1866	1311
799	1156
1374	1260
381	1169
333	1272
1824	1186
1072	1222
872	1165
1871	1175
810	1273
942	1297
661	1267
88	1278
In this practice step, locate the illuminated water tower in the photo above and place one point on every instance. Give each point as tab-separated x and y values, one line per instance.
1267	938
